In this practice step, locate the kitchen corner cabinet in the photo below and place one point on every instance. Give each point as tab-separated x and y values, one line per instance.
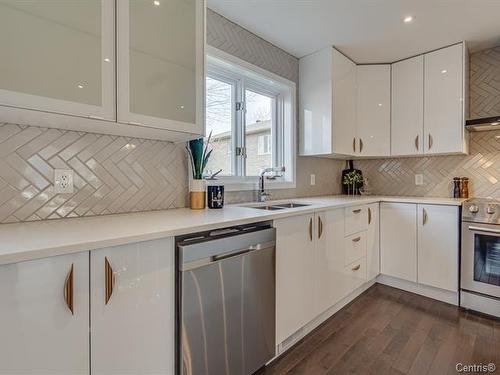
407	126
373	109
132	310
444	100
438	238
398	240
161	64
373	242
40	333
60	57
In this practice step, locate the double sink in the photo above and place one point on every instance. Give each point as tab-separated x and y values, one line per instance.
279	206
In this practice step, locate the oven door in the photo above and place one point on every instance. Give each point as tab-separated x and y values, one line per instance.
481	258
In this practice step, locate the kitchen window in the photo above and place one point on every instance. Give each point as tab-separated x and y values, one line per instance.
251	113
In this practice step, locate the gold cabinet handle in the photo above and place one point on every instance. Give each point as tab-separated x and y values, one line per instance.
109	280
357	239
354	144
320	227
360	145
311	229
424	216
431	141
68	290
369	215
357	267
416	142
356	211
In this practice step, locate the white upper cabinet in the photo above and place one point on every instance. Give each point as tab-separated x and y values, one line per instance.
327	104
44	310
407	123
373	123
58	56
161	64
444	104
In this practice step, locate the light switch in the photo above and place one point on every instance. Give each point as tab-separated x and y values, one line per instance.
419	179
313	179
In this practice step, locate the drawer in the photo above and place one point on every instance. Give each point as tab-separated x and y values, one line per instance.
354	247
356	274
356	219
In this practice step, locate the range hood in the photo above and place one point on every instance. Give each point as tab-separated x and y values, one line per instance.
483	124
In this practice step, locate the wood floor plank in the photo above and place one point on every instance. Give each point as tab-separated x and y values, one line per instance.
390	331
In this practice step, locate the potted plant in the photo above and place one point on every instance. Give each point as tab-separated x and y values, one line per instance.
198	155
353	180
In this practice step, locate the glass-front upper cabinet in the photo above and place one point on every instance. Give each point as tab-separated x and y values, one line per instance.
161	64
58	56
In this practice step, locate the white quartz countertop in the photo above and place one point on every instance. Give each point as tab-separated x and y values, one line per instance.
33	240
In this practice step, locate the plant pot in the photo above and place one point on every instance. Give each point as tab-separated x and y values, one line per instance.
197	194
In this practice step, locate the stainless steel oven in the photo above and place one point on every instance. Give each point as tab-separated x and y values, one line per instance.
480	258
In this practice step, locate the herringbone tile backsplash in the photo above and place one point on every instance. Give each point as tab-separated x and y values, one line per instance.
482	166
111	174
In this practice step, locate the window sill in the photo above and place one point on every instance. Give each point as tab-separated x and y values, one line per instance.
249	184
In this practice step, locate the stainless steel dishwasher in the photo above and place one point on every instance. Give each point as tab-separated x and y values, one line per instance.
226	300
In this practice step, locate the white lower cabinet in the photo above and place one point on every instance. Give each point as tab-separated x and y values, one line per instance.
132	310
438	237
295	269
398	240
40	334
420	243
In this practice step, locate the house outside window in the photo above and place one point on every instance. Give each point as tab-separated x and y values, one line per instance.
251	115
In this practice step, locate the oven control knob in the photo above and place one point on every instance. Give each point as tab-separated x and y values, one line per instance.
490	210
473	209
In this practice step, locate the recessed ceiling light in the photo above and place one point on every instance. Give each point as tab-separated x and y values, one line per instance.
80	86
444	71
380	104
156	2
408	19
107	60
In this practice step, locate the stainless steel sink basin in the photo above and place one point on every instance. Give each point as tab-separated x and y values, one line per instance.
280	206
268	208
291	205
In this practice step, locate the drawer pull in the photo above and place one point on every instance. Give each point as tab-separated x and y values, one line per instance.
311	229
355	268
320	227
369	215
68	290
356	239
357	211
109	280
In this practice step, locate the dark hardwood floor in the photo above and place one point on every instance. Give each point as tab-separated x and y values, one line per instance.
390	331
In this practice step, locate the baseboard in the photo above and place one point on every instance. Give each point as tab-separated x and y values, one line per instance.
423	290
301	333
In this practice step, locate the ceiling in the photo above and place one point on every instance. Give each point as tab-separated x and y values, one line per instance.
368	31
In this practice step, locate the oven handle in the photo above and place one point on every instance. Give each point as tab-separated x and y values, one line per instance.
479	229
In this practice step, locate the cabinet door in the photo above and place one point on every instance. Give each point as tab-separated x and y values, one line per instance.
331	283
444	100
373	123
373	242
315	77
161	64
40	334
295	284
398	240
344	104
133	331
407	107
438	246
58	56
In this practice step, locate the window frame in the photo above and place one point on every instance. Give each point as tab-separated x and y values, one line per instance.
223	66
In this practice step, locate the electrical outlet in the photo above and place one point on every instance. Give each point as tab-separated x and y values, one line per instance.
63	181
313	179
419	179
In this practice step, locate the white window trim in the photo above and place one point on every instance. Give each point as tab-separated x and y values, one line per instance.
287	111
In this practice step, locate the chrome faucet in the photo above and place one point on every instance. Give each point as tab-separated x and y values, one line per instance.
275	172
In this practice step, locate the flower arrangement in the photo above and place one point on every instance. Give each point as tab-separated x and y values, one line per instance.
353	180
